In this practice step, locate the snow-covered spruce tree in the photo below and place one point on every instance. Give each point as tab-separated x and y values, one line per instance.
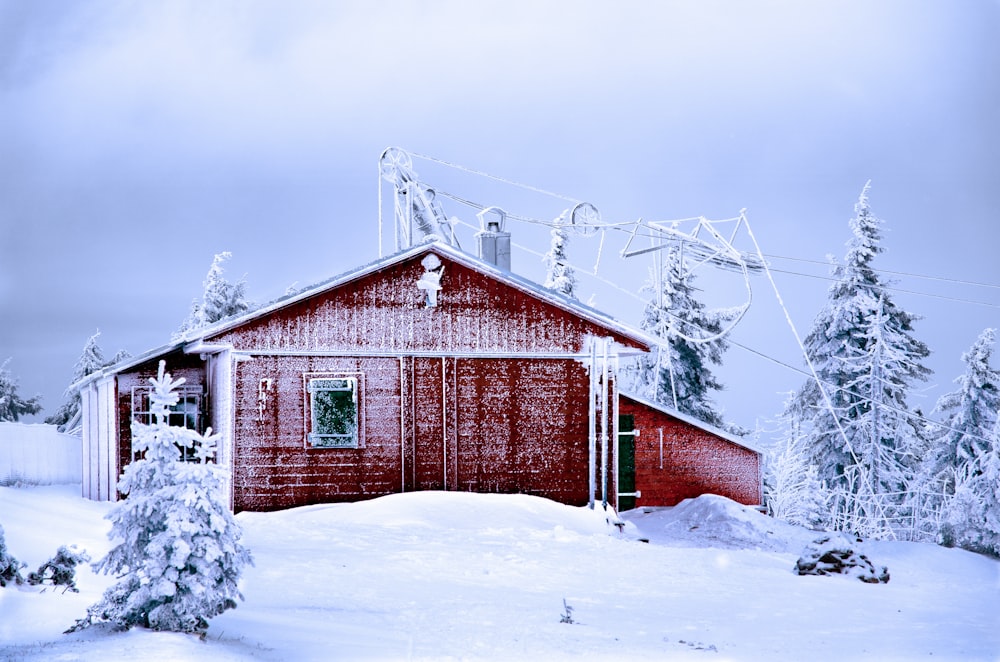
179	558
884	434
965	461
970	516
12	405
559	275
968	413
678	374
220	299
91	360
857	429
988	487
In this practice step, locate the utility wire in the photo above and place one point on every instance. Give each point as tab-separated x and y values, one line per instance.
886	288
894	273
495	178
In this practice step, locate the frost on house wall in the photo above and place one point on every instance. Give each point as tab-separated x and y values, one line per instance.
368	385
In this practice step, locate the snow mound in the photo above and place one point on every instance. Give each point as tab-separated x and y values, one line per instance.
455	511
715	521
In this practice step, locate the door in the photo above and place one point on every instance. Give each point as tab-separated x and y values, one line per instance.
626	462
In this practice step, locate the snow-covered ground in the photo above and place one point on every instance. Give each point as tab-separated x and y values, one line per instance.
454	576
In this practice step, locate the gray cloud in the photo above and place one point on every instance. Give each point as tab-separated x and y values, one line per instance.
140	139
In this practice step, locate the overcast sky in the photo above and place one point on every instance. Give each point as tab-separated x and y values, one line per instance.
139	139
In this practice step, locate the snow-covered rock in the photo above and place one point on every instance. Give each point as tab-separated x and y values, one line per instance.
833	554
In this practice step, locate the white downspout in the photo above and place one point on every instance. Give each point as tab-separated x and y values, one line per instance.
444	420
604	426
592	418
615	463
402	420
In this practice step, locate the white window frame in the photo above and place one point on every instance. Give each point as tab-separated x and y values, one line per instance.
332	382
190	403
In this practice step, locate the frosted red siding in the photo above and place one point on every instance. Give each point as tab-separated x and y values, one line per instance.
428	423
385	312
693	461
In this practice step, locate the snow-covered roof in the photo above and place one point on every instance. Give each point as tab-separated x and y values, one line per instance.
555	298
195	338
691	420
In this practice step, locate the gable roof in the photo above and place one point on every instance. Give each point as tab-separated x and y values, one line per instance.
691	420
196	338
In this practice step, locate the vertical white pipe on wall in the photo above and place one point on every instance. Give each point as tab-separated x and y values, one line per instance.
454	417
604	425
444	420
592	419
402	422
615	467
661	448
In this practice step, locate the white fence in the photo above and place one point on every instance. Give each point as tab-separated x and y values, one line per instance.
38	455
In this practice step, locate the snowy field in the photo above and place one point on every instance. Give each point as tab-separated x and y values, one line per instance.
454	576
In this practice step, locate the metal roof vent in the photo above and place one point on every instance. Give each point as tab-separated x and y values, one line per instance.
494	240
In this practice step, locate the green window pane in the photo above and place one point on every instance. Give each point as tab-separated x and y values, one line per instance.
334	413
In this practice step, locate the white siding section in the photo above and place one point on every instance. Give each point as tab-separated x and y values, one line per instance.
219	375
88	427
100	440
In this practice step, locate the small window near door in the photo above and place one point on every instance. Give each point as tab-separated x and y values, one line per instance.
186	413
333	407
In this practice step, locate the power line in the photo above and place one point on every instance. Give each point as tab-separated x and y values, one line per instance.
860	397
894	273
504	180
886	288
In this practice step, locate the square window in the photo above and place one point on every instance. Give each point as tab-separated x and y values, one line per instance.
333	406
186	413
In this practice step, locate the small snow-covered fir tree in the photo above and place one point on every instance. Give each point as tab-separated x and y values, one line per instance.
12	405
856	421
965	461
220	299
179	558
679	373
60	570
559	275
10	567
968	413
91	360
793	491
988	486
970	516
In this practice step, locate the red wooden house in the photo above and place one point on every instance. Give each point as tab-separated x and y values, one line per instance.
428	370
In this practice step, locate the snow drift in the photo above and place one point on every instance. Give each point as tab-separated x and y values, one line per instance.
458	576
